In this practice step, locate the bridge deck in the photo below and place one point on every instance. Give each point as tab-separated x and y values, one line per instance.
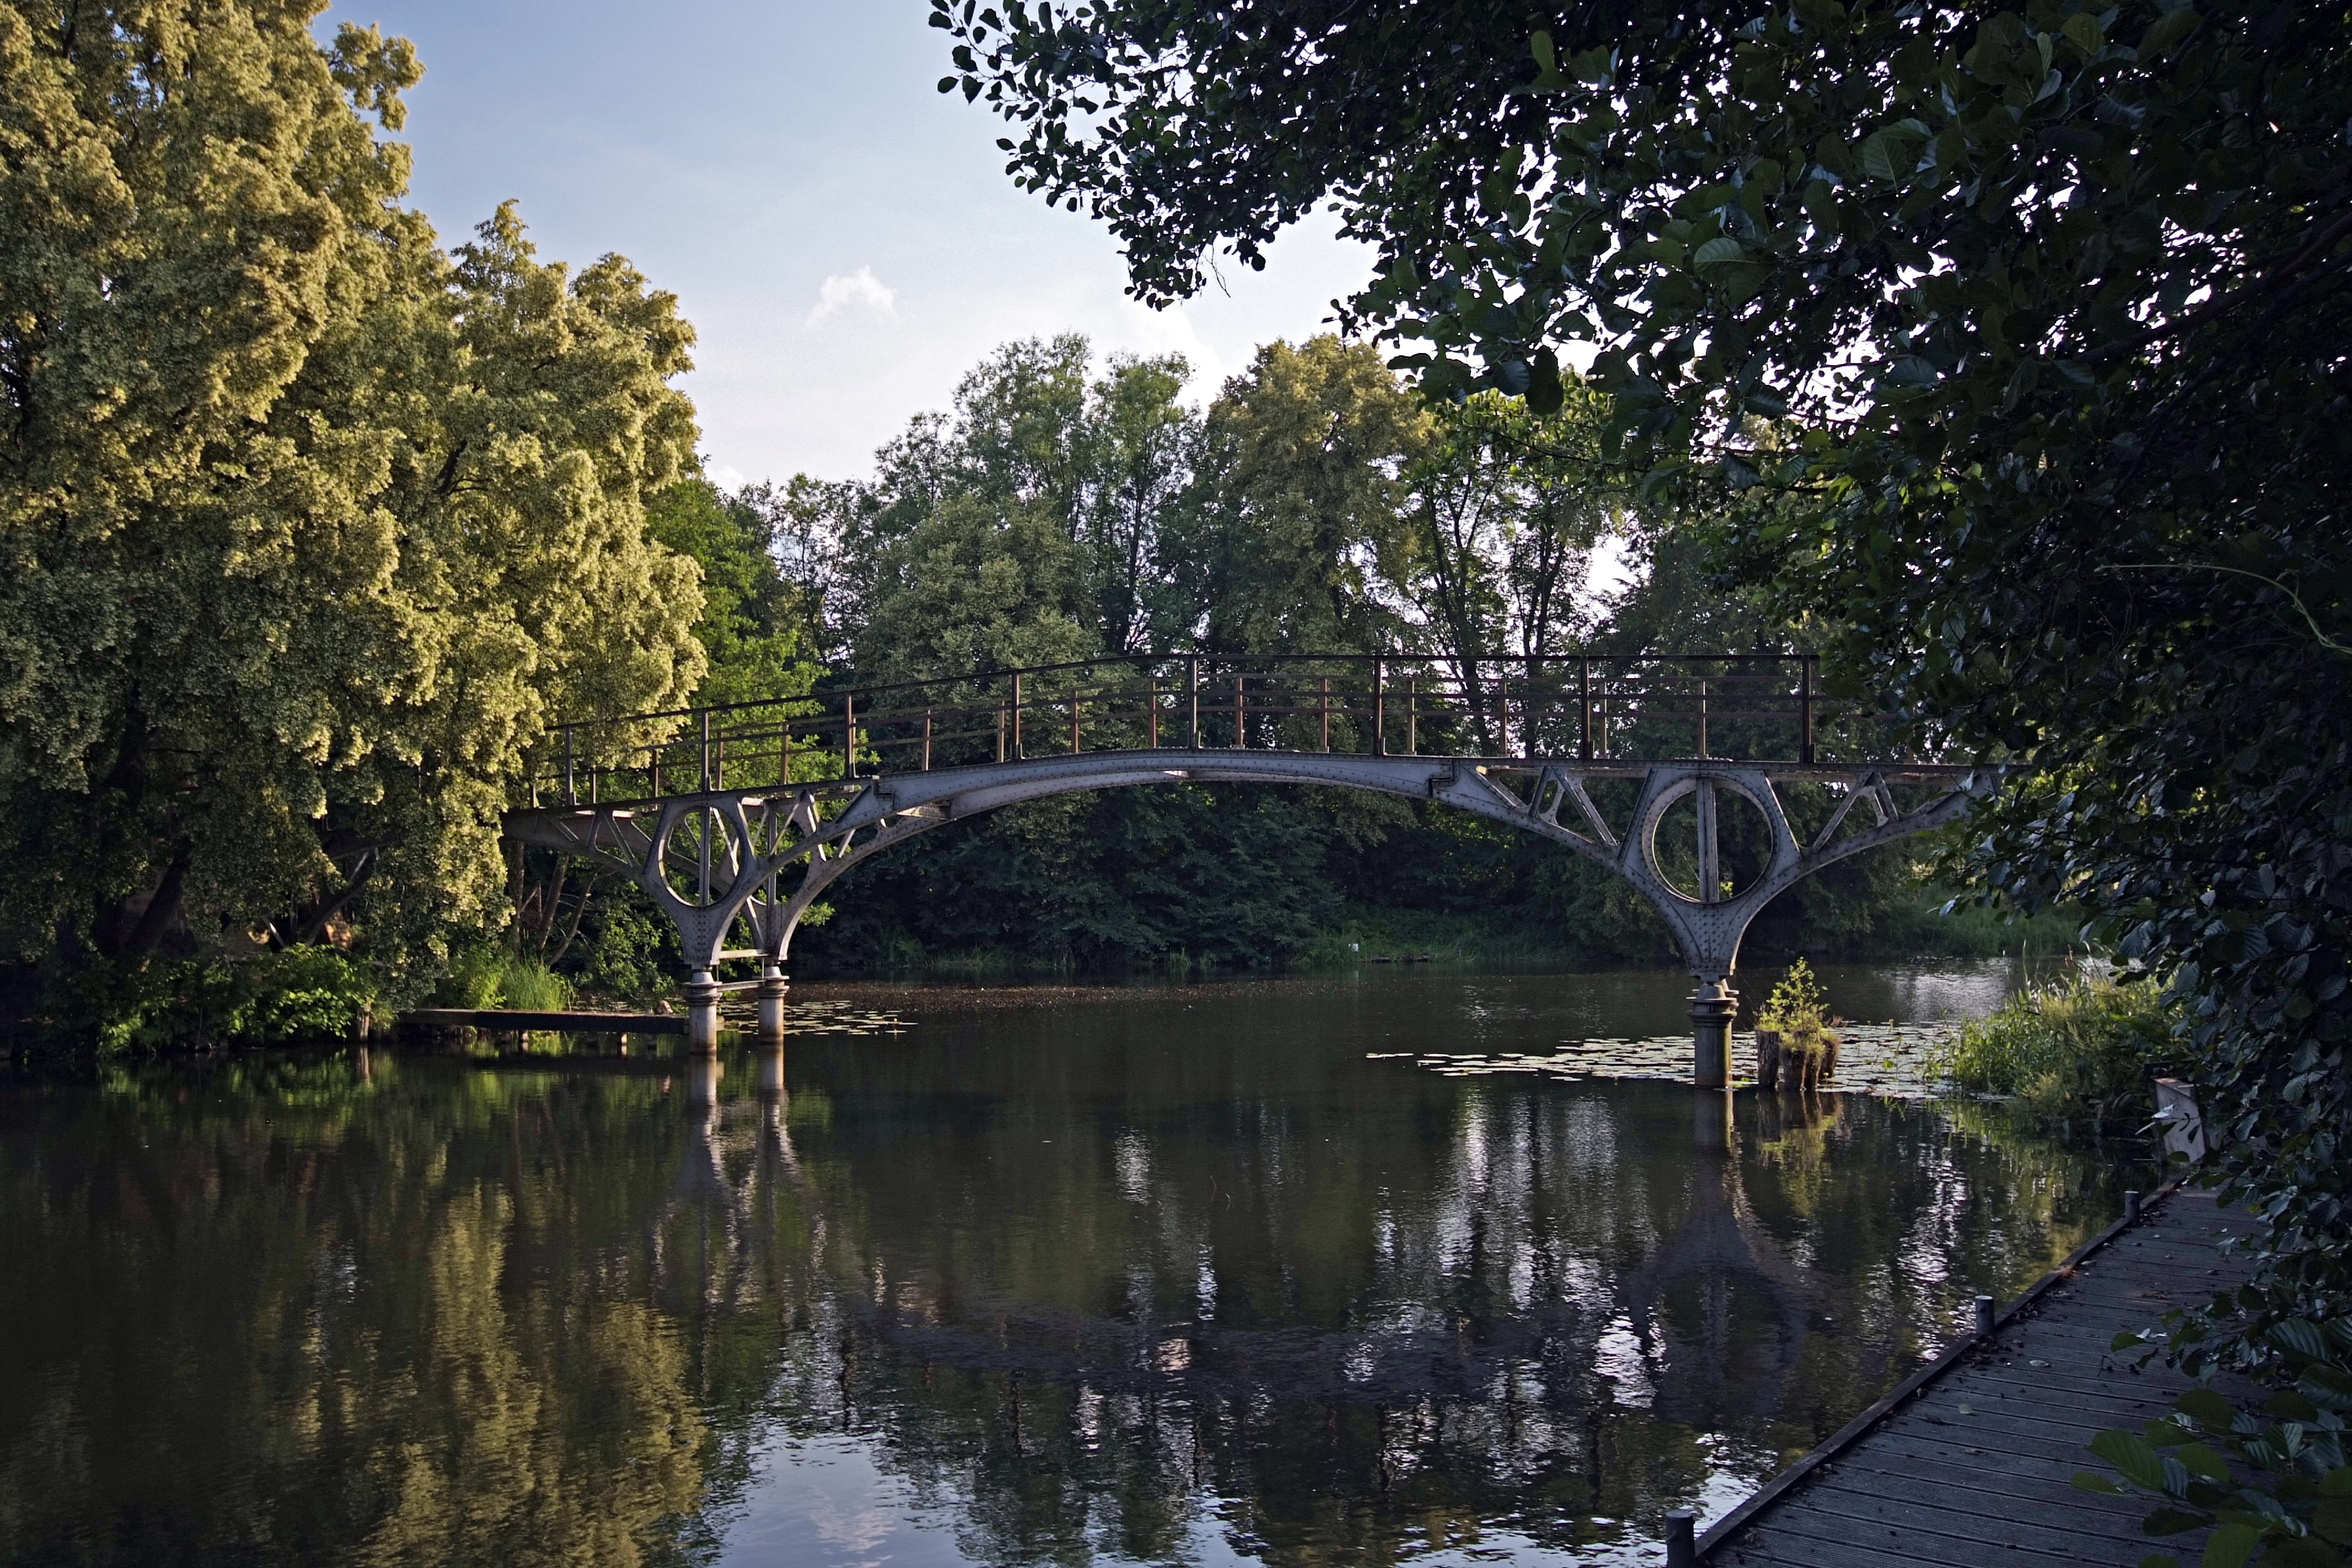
1974	1468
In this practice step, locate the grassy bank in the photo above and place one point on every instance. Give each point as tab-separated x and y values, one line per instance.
2077	1056
1922	930
1508	939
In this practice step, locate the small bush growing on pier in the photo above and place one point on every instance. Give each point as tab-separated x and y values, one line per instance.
1794	1041
496	976
2079	1053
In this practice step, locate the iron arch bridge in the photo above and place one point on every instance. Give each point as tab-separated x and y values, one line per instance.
735	818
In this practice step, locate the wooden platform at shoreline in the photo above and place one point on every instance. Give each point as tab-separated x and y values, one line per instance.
1970	1462
508	1021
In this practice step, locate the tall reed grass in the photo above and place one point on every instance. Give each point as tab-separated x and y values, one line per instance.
2081	1054
494	977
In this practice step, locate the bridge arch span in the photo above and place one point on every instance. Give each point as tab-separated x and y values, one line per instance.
711	858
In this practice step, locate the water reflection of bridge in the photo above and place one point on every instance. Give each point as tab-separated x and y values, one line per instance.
1562	1310
735	818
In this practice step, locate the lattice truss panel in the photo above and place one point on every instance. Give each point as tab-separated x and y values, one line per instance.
747	863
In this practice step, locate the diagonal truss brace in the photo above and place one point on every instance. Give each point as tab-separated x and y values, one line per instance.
763	857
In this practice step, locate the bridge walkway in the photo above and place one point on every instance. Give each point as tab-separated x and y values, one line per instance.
1972	1464
735	818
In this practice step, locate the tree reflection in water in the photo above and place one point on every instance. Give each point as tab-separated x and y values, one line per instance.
1086	1291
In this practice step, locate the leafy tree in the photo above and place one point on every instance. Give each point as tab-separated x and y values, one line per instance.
1147	459
1036	522
2056	301
307	528
974	587
755	628
1306	455
1507	506
1045	496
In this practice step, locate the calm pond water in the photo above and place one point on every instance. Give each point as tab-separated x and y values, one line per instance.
1154	1275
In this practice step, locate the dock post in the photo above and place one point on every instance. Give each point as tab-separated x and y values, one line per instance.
1682	1539
772	989
701	1013
1713	1006
2131	1209
1984	1317
2183	1123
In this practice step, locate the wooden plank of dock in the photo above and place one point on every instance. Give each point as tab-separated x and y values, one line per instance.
508	1020
1974	1466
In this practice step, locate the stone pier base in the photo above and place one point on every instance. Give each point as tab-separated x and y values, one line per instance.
1713	1006
701	1013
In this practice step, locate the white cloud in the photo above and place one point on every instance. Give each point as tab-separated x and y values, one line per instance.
859	290
1140	330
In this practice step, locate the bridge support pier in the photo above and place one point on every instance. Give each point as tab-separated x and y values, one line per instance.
1711	1125
702	1083
772	989
1713	1006
735	848
701	1013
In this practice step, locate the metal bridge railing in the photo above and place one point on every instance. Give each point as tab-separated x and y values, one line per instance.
1593	708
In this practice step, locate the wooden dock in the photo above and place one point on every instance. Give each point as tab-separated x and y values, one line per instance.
1970	1461
509	1021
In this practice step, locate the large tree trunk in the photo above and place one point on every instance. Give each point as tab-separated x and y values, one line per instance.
119	933
309	924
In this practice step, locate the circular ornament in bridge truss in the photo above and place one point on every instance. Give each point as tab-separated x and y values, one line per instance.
702	850
1741	821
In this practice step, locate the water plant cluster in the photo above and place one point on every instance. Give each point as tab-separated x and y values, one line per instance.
2076	1055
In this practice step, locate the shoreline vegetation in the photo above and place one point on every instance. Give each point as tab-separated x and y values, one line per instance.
2071	1058
1374	935
312	995
2077	1057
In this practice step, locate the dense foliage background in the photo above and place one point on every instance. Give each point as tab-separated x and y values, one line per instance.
306	525
2029	324
313	527
1065	509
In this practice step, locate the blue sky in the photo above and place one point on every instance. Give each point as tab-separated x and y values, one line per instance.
841	235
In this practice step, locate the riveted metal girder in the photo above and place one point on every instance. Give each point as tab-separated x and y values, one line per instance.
709	859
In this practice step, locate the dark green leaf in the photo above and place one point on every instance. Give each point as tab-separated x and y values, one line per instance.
2203	1403
2174	1522
2132	1456
2231	1545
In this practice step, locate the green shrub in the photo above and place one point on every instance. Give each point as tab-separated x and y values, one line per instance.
476	976
1798	1006
627	948
1798	1011
302	993
496	976
270	998
532	986
2080	1054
